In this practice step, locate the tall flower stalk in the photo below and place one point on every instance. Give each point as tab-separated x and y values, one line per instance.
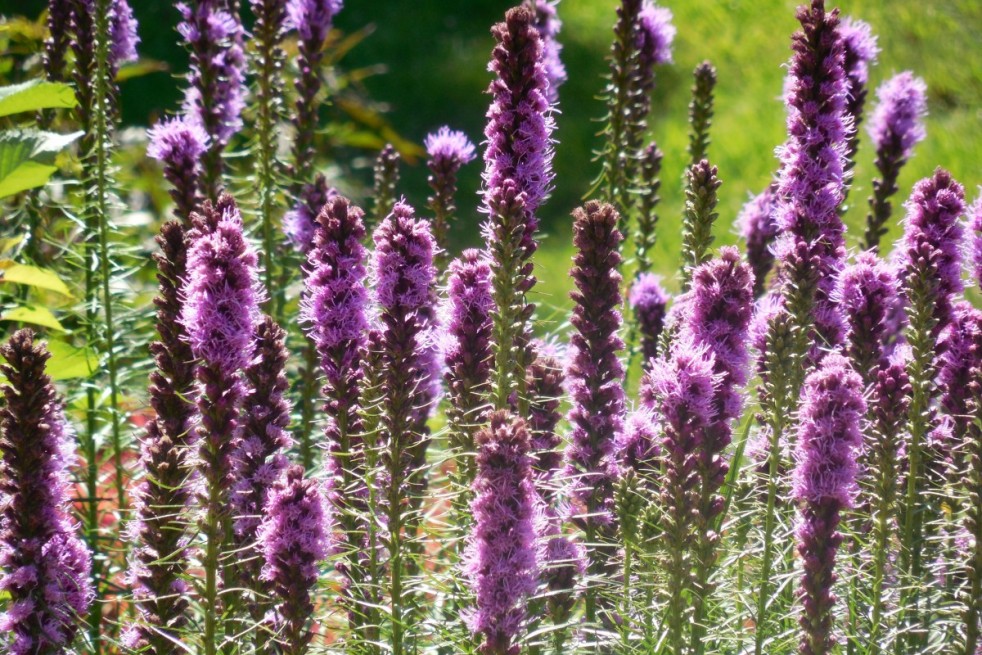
517	178
386	190
759	229
861	51
447	150
701	185
45	565
219	315
595	378
649	183
650	304
701	111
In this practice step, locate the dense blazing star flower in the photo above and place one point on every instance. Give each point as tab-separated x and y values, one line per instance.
548	23
655	35
975	227
123	29
811	186
545	388
861	51
300	222
638	446
447	150
961	359
501	562
829	440
701	111
650	304
178	144
866	292
896	127
45	565
294	537
758	228
312	19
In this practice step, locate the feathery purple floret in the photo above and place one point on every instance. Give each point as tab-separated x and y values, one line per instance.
312	18
811	185
595	371
824	482
759	229
961	360
637	445
449	148
548	23
295	538
975	234
655	35
861	51
178	144
650	304
897	124
544	383
501	562
123	28
45	566
300	223
866	292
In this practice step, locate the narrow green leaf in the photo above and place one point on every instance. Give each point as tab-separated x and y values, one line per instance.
33	315
35	95
68	362
32	276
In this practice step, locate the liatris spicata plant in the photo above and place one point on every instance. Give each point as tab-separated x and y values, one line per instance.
403	278
160	559
517	178
866	293
216	93
178	144
219	316
45	564
300	223
468	357
595	378
650	304
447	151
829	439
501	562
975	234
896	127
650	184
861	51
386	187
545	387
259	458
701	185
680	390
955	383
930	275
759	229
701	111
295	536
548	24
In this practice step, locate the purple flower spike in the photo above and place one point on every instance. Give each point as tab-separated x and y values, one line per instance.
312	19
811	186
962	359
501	562
861	53
178	144
295	538
975	228
447	151
866	292
545	389
655	35
123	27
650	304
300	223
59	36
449	148
45	566
638	446
548	23
759	229
829	440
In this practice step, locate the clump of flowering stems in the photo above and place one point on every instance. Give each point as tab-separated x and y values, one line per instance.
759	229
701	112
701	185
648	199
650	304
386	187
333	310
160	559
501	562
896	127
447	151
268	31
829	438
259	458
404	278
45	565
548	24
295	538
216	93
643	38
517	179
930	274
810	247
861	51
595	378
866	293
219	315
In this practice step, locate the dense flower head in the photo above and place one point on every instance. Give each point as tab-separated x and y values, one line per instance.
403	264
45	566
975	247
680	388
216	95
866	292
650	304
123	27
312	18
300	222
637	444
897	124
655	35
449	146
759	229
545	388
829	434
961	362
932	242
221	298
177	142
548	23
520	123
861	52
468	349
501	559
811	185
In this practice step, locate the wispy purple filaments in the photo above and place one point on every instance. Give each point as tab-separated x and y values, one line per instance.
759	229
861	51
178	144
45	565
655	36
824	483
548	23
650	304
501	561
866	292
975	236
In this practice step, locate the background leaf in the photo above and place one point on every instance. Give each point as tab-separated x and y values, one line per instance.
33	315
32	276
35	95
68	362
27	158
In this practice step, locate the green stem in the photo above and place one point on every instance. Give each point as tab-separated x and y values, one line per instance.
770	520
307	401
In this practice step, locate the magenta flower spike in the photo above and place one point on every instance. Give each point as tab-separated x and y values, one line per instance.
178	145
759	229
866	292
650	304
447	151
501	561
861	51
975	234
45	566
548	23
824	484
545	382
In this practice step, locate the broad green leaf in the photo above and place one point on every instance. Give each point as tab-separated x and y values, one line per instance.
32	276
35	95
33	315
27	158
6	245
68	362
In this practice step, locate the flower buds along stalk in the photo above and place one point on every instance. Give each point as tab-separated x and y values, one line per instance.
386	181
701	184
701	112
650	183
548	24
